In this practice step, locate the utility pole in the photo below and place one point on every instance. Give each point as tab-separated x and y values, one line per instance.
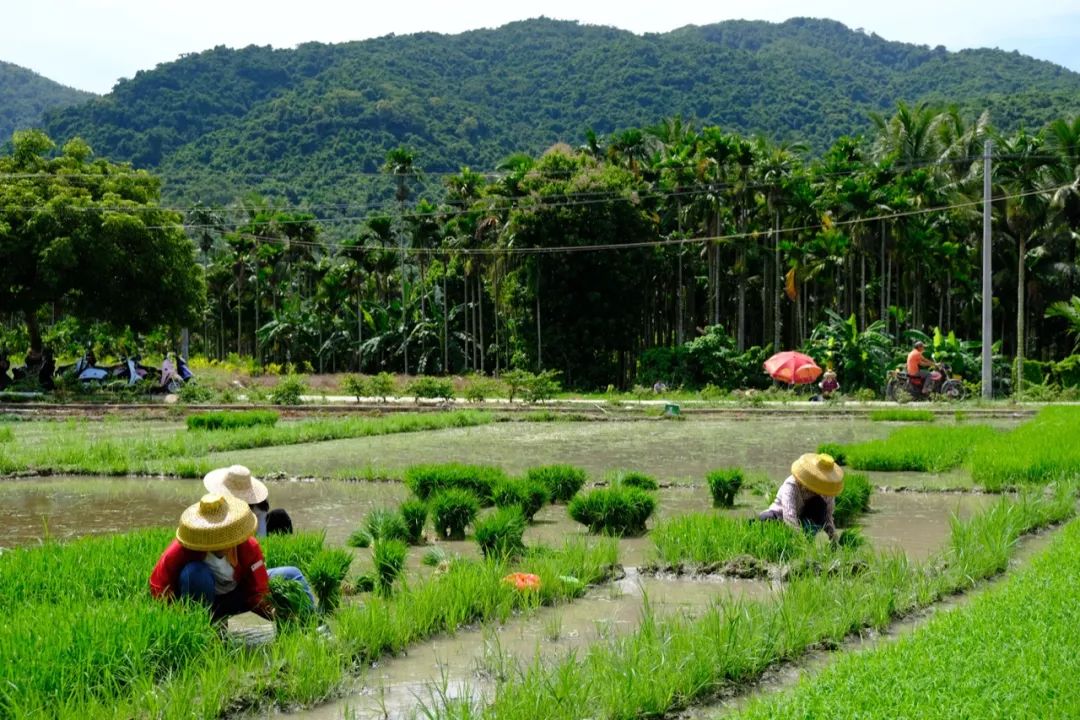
987	289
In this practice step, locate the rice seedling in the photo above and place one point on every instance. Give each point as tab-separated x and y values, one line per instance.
434	557
901	415
325	573
689	659
389	559
1040	451
528	495
635	479
499	534
1010	653
707	539
414	512
724	484
360	538
480	480
386	524
923	449
451	511
7	435
614	510
562	481
231	419
836	450
853	500
292	606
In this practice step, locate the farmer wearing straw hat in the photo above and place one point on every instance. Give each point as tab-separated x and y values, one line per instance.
807	498
238	482
215	560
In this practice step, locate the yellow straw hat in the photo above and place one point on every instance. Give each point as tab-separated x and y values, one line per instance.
236	481
216	522
819	473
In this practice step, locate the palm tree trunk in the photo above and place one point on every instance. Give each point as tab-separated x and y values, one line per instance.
359	333
778	281
539	356
480	298
862	291
680	336
445	325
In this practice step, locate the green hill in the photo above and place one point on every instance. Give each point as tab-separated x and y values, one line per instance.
313	124
25	96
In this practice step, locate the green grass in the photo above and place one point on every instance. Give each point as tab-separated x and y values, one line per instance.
230	419
1010	654
708	539
82	639
100	449
669	663
902	415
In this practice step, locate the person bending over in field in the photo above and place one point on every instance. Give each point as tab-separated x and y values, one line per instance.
807	498
215	560
238	482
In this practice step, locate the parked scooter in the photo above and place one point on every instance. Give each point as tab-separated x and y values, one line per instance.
174	374
940	382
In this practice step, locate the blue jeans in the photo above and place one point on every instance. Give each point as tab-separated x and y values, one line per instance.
197	583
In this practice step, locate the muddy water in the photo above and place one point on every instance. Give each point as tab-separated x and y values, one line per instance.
469	662
669	450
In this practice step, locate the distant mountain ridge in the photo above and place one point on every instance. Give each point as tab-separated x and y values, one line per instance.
25	96
305	123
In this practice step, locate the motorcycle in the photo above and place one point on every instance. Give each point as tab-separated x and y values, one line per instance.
940	382
175	374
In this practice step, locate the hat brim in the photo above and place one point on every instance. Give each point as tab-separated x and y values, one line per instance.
200	537
214	482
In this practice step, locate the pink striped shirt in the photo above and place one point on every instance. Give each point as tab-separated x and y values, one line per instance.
790	499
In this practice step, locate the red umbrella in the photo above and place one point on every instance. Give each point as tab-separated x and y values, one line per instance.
792	367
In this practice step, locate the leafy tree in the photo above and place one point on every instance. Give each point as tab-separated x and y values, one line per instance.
87	236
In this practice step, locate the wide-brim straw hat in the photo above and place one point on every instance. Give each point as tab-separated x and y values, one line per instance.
216	522
236	481
819	473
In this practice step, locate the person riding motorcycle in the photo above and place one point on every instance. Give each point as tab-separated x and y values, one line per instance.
915	364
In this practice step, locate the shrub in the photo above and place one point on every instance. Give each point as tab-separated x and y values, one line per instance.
389	558
527	495
541	387
325	573
192	393
451	511
615	510
424	480
865	395
724	485
479	388
414	512
432	387
355	385
289	391
853	500
562	481
634	479
383	386
386	524
515	380
231	419
499	534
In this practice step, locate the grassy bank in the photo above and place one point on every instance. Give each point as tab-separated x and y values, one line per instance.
945	665
107	449
82	638
670	663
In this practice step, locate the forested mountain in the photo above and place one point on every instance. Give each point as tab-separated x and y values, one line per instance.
25	96
312	125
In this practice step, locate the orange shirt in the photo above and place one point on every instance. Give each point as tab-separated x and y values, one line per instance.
914	361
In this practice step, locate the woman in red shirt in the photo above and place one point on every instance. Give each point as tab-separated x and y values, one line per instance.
215	560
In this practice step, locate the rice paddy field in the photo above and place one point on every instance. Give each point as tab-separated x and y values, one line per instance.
650	602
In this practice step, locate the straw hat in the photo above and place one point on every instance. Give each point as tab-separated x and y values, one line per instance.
819	473
236	481
216	522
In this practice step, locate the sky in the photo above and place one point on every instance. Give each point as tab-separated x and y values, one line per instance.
90	44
